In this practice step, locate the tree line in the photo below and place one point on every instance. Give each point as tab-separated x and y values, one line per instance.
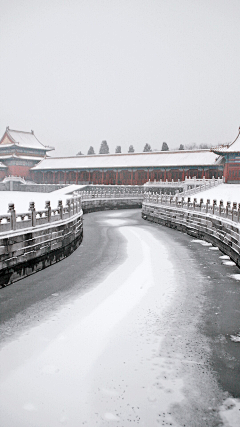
104	148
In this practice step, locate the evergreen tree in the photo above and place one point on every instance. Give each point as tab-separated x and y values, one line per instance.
118	149
104	149
181	147
147	148
131	149
91	150
165	146
80	153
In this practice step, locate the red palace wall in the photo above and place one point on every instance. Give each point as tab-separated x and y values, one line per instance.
17	170
2	174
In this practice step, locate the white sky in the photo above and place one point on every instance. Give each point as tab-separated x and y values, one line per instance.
128	71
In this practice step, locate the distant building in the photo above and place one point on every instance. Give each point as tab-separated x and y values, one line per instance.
19	152
129	169
231	158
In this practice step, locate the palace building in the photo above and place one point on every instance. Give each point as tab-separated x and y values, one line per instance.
231	158
22	154
129	169
19	152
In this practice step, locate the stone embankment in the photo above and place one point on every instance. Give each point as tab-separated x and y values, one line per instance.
219	225
37	239
100	199
32	241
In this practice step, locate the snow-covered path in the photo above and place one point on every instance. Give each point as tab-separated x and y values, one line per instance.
104	358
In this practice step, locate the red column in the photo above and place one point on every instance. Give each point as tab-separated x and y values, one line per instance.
226	172
102	177
65	177
131	177
76	178
165	175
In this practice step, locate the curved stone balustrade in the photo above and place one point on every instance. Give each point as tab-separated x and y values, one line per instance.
217	224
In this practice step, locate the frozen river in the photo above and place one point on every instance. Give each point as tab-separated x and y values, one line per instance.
134	328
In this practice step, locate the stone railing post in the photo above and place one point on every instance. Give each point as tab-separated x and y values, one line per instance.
214	204
33	213
182	201
60	208
234	208
68	203
194	203
11	210
188	202
49	210
200	204
176	201
220	207
207	204
228	207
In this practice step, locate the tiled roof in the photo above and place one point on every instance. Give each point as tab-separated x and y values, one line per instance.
131	160
234	147
25	139
14	156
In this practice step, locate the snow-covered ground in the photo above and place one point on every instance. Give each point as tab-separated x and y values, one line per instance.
101	360
225	192
21	199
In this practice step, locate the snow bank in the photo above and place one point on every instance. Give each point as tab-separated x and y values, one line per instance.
225	192
21	199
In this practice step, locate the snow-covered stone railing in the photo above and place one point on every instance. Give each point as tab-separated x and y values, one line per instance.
102	200
230	211
112	194
16	221
217	224
188	186
35	240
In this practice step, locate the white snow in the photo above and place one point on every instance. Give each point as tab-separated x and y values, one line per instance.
225	192
160	158
101	359
21	199
85	362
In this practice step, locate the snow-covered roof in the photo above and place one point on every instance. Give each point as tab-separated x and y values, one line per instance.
2	165
131	160
234	147
23	139
14	156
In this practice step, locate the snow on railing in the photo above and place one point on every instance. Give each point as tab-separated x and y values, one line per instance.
15	221
125	193
230	210
189	185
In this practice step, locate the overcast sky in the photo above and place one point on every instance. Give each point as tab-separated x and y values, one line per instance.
127	71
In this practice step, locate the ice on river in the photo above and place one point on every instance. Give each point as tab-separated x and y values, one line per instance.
101	360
